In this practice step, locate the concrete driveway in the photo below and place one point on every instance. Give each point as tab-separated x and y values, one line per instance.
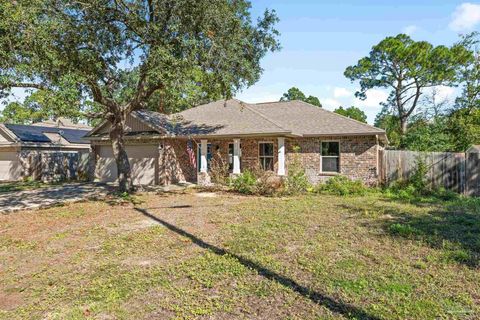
50	196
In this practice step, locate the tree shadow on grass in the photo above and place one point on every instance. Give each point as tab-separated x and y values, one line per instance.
339	307
451	226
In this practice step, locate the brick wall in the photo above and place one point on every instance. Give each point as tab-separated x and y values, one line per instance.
358	157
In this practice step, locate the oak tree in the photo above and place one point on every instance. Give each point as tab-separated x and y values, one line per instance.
104	45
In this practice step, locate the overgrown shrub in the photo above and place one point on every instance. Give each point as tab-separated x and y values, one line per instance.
342	186
417	186
219	170
268	183
297	181
245	182
258	182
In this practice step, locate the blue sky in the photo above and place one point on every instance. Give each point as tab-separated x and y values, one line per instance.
321	38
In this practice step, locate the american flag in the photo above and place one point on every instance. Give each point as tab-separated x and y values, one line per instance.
191	154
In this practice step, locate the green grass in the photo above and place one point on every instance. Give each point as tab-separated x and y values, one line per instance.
305	257
21	185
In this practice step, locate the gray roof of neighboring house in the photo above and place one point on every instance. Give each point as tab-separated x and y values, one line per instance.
236	118
28	133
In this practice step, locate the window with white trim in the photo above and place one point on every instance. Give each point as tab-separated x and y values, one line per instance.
330	156
266	155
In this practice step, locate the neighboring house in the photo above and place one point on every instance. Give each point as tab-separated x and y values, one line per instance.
167	149
19	144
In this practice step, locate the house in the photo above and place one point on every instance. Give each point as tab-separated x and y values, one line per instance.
181	147
22	145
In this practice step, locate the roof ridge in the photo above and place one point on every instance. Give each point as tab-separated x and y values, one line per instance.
263	116
345	117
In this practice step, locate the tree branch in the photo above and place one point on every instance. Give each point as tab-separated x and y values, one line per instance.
38	86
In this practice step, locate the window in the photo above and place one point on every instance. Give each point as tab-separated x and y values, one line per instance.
266	155
330	156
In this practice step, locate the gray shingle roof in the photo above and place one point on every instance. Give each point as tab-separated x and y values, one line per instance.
304	119
231	117
236	118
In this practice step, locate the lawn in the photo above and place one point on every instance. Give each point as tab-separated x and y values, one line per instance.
223	256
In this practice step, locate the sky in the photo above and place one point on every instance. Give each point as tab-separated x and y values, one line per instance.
321	38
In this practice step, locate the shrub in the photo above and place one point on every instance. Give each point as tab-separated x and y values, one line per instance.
419	178
417	187
245	182
219	171
268	183
342	186
297	181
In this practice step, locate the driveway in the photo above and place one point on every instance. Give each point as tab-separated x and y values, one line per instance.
50	196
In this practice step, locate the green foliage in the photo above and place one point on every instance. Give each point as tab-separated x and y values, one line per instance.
417	188
245	182
257	182
295	94
119	56
353	113
404	230
342	186
406	67
297	181
464	127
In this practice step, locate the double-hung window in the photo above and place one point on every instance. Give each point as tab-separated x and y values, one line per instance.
330	156
266	155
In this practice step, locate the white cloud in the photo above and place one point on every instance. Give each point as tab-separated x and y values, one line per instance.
341	92
374	98
410	29
465	17
442	93
330	104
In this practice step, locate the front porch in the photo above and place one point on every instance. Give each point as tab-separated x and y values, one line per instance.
266	153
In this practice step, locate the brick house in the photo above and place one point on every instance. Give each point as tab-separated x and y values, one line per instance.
181	147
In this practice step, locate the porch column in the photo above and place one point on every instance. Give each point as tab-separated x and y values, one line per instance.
203	156
281	156
236	156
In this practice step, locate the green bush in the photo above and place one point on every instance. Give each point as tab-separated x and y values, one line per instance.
342	186
297	181
245	182
417	188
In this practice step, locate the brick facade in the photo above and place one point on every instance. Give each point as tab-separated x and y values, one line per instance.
358	157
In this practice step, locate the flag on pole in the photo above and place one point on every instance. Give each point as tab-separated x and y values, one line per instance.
191	154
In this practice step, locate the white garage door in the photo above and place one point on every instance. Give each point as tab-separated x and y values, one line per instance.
142	162
10	168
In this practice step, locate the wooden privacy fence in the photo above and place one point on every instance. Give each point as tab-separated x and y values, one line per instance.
459	172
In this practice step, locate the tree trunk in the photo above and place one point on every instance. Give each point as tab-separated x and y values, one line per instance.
118	146
403	126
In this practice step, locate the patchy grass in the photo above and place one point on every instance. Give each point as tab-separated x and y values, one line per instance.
185	256
21	185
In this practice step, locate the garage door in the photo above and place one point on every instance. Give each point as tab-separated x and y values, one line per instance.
142	162
10	168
